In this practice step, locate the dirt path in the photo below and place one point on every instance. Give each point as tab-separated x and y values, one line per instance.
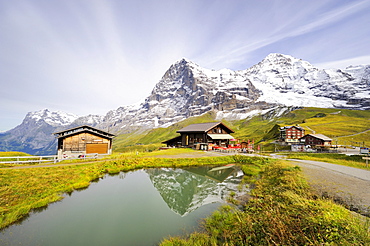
346	185
354	134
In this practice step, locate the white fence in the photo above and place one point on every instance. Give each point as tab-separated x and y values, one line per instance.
45	159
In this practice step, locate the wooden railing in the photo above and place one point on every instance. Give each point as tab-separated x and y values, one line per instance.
45	159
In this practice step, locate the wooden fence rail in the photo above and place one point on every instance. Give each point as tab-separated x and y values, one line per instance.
44	159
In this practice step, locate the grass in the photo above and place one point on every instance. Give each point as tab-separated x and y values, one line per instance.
338	124
172	151
138	139
340	159
283	211
12	153
334	123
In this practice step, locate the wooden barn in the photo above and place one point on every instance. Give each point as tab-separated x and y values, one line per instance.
203	134
83	140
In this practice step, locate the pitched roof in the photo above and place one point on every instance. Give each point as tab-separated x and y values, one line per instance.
84	128
288	127
178	138
319	136
202	127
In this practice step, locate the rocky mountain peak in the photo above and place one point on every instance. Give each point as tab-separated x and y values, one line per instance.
54	118
282	66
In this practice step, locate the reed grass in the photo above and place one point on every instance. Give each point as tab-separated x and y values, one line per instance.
283	211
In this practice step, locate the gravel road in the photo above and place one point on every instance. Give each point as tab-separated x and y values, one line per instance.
346	185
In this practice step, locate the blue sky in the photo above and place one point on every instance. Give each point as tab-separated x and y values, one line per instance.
91	56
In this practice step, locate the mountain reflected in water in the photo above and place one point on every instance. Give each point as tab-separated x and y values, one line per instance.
185	190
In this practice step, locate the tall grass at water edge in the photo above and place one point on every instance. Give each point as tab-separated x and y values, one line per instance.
282	211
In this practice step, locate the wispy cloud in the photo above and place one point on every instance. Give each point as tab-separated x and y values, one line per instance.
361	60
89	56
299	28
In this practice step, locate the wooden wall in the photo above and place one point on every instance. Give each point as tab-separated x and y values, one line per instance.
78	142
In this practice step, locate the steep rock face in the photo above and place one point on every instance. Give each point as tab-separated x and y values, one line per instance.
187	90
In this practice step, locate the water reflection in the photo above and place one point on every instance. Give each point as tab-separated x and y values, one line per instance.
134	208
185	190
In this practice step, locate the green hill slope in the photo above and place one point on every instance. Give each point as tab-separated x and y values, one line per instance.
345	127
140	139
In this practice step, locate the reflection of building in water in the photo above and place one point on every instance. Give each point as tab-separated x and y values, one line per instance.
186	190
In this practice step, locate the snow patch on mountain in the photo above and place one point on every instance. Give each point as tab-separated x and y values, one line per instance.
53	118
289	81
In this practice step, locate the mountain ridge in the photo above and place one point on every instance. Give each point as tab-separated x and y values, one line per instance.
186	89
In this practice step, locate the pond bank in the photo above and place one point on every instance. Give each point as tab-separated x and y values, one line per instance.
281	211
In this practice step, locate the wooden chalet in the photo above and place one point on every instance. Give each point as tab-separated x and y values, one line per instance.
83	140
202	135
316	140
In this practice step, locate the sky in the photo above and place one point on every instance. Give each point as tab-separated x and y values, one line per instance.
91	56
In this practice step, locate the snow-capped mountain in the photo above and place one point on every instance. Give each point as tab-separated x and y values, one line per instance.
56	118
186	90
290	81
35	134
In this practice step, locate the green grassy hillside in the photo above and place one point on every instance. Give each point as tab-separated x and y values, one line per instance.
12	153
147	139
345	127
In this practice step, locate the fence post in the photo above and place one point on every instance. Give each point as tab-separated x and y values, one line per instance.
367	160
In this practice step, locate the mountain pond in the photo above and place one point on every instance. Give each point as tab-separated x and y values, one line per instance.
140	207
